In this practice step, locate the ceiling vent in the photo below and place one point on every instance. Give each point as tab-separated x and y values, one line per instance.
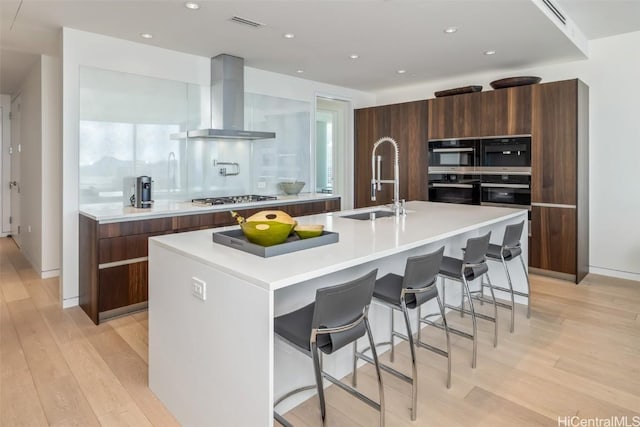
552	7
245	21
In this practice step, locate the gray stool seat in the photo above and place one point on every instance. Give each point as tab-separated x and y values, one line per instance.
471	267
416	287
389	289
507	253
509	250
337	317
296	328
452	267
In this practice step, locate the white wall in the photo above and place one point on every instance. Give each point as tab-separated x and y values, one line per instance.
31	172
87	49
51	163
611	72
5	165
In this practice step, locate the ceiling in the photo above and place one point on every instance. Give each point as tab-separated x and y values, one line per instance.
388	35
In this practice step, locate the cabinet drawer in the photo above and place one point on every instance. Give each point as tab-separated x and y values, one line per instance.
124	247
127	228
122	285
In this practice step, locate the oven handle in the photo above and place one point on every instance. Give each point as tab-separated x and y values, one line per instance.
452	150
491	185
438	185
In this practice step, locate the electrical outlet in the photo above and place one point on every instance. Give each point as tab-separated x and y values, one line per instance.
262	184
198	289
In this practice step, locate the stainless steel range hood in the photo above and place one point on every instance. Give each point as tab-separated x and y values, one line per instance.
227	103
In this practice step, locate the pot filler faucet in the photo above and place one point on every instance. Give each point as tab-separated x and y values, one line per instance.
398	205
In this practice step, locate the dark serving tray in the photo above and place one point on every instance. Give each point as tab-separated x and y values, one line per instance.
515	81
458	91
236	239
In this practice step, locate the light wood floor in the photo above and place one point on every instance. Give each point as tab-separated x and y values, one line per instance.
579	354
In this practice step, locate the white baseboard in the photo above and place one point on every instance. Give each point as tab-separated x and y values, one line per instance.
50	273
614	273
4	234
70	302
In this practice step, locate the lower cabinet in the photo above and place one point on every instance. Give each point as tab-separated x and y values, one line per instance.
113	269
553	239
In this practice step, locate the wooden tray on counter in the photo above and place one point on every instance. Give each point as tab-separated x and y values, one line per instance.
237	240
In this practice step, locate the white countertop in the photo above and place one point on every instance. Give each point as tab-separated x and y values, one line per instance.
115	212
360	242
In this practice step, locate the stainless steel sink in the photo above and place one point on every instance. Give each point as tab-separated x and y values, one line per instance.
367	215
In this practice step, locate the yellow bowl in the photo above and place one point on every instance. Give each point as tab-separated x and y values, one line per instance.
307	231
268	228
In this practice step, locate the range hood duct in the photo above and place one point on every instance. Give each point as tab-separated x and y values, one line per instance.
227	103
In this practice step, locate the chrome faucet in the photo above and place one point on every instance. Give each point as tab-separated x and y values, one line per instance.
376	181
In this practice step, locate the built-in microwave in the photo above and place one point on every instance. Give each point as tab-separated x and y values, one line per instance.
509	153
452	154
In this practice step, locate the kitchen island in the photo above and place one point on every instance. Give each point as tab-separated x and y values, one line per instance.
213	358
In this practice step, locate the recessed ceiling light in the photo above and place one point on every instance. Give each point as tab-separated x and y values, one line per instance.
191	5
450	30
354	56
146	35
299	71
288	35
401	71
490	52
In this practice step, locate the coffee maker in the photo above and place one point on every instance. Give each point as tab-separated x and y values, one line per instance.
141	198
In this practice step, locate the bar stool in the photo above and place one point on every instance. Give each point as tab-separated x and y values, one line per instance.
338	317
472	266
417	286
510	250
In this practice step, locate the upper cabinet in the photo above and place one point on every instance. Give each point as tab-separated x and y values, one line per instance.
492	113
406	124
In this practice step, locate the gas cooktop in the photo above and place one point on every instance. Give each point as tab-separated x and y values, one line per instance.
226	200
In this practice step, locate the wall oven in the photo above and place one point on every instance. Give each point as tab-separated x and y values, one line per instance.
508	153
510	190
452	154
454	188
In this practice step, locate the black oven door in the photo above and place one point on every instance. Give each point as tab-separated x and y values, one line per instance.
459	153
454	188
513	152
506	190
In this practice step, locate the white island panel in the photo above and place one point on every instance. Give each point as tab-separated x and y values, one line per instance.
233	330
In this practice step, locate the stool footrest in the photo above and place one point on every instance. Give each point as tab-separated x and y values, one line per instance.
451	329
385	368
352	391
279	418
432	348
503	289
480	315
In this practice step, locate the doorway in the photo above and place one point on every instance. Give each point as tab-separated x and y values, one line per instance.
334	154
14	180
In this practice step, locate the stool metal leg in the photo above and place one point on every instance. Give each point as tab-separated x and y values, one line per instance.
526	274
495	311
392	355
318	374
354	373
374	353
414	368
461	300
513	302
474	356
446	332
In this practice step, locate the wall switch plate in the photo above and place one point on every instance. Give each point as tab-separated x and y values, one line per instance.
199	289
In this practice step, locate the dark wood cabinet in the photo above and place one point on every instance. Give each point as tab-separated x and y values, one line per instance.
553	245
559	178
113	256
491	113
406	124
